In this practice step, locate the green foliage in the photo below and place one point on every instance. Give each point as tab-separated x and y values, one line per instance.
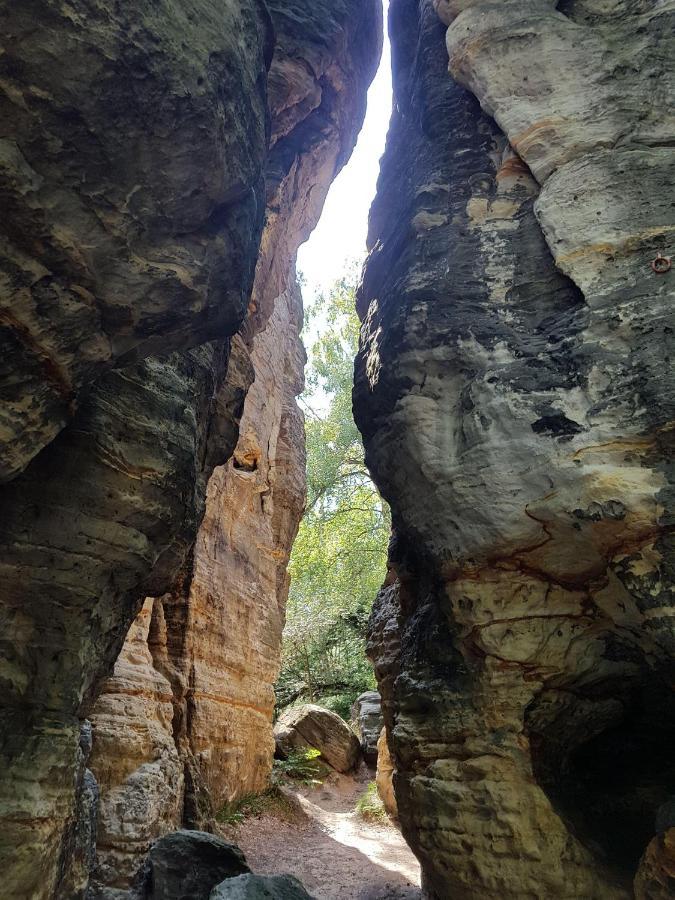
299	765
272	802
369	805
339	558
235	812
342	703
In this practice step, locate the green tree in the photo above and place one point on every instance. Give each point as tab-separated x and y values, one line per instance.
339	558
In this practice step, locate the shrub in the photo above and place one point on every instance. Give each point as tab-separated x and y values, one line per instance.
299	765
340	704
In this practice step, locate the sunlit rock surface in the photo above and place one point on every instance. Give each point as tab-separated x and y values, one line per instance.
384	777
515	391
311	727
139	164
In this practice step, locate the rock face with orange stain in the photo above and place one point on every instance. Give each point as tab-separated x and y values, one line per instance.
515	392
214	640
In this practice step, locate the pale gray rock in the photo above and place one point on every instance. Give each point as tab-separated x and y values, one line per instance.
368	713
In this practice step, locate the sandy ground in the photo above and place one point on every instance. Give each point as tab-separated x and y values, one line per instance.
332	850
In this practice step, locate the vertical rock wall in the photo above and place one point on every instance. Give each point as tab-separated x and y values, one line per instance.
215	639
108	244
515	391
137	166
132	156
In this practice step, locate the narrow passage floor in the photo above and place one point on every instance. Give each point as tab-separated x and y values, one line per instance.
330	848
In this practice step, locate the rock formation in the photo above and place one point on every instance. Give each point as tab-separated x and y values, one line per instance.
188	864
515	391
367	711
135	760
384	777
260	887
311	727
196	865
142	150
132	185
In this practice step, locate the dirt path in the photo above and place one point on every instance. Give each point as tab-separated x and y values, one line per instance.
332	850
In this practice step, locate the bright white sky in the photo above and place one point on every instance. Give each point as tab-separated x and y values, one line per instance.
341	233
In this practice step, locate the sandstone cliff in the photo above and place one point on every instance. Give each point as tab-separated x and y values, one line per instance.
515	392
216	637
143	149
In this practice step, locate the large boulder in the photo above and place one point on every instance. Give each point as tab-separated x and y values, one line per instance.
313	726
260	887
385	775
187	865
368	713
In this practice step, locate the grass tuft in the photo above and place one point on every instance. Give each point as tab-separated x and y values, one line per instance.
272	802
369	806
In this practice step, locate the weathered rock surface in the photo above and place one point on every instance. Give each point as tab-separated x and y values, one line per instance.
132	186
108	510
100	269
187	865
215	639
78	852
384	777
515	392
135	178
368	711
260	887
135	758
655	879
312	726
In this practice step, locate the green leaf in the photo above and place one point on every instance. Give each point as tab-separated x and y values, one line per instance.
339	558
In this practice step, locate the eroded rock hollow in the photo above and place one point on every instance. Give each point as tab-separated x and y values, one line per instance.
515	391
160	165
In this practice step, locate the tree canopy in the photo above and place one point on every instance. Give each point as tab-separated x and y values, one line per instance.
339	558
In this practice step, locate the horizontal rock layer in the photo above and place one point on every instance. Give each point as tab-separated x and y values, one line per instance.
514	388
